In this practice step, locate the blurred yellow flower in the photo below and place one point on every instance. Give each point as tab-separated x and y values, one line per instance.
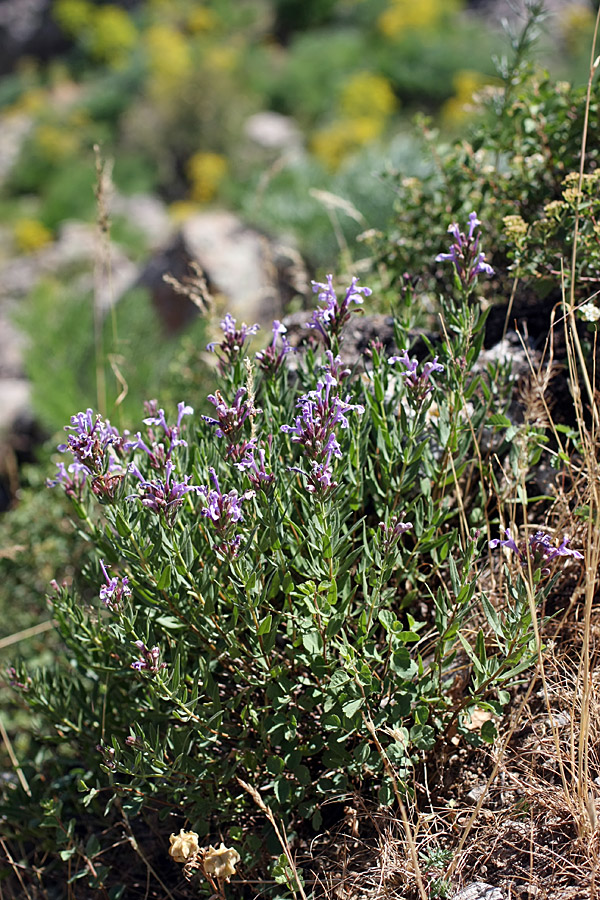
31	235
367	95
221	58
181	210
201	19
404	15
466	83
577	26
111	35
73	16
332	144
206	172
56	143
169	59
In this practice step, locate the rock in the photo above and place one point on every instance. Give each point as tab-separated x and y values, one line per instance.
77	244
255	275
272	131
14	131
146	213
479	890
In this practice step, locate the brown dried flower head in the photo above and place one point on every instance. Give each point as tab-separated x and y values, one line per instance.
183	845
220	862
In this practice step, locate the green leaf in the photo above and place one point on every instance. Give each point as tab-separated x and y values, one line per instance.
265	625
165	579
352	707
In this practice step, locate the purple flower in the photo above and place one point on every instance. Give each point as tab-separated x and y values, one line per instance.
393	531
112	593
271	358
91	441
322	411
224	511
464	253
419	385
255	469
148	660
72	485
539	547
156	452
162	496
234	340
230	419
330	319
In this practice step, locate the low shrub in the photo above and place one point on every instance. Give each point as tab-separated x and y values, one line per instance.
288	603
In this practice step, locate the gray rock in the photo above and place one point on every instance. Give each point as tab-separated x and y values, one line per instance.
14	131
272	131
146	213
254	275
479	890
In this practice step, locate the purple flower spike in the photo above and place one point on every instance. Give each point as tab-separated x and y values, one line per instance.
224	511
330	319
111	593
230	419
322	411
234	340
271	358
163	497
393	531
255	469
157	453
539	547
419	385
72	478
148	660
92	441
464	253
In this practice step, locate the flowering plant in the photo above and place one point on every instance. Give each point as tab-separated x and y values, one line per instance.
269	561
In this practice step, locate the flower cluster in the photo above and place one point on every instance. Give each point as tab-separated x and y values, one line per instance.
112	593
330	319
465	254
392	532
229	350
72	478
230	419
322	412
538	548
157	454
163	496
224	511
254	467
91	441
419	385
148	660
271	358
97	448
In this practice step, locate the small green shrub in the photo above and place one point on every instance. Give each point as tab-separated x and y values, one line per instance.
286	590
